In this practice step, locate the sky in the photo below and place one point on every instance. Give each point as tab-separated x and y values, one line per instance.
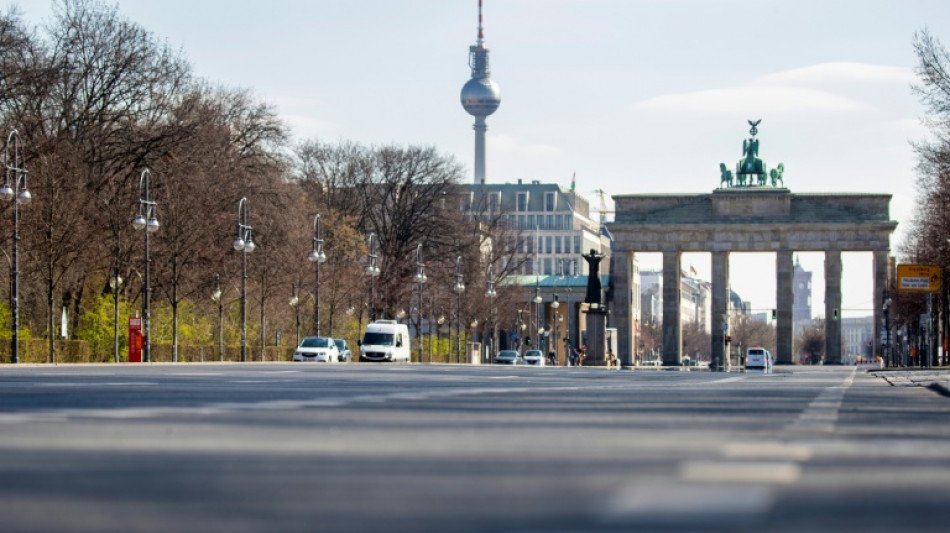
631	96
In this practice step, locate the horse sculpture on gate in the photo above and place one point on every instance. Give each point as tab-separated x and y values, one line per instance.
725	175
776	175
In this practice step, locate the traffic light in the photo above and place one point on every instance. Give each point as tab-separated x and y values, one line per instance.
728	339
527	340
834	315
774	314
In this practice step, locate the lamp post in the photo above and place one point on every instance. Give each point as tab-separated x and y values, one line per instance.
474	325
459	288
373	270
145	220
115	281
490	293
537	309
567	271
887	328
295	303
438	336
244	243
524	329
15	190
317	257
557	317
217	297
420	281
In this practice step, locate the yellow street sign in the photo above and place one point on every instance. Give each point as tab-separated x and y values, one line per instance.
918	278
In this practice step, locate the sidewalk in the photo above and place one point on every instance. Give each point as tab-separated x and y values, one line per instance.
935	379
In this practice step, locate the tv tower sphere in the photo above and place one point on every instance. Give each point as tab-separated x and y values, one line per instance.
480	96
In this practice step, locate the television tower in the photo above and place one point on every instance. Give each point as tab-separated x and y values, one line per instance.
480	96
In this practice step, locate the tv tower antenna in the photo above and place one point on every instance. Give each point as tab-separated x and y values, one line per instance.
480	96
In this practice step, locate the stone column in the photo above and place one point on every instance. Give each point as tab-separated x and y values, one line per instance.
672	289
832	305
621	272
877	301
720	306
785	303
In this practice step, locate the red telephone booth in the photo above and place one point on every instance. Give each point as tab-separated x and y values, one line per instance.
135	339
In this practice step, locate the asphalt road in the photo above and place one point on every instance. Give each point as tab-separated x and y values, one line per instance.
361	447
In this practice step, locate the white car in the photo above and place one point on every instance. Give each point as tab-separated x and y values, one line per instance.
321	349
758	359
534	357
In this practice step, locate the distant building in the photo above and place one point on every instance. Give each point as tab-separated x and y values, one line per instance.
554	225
857	338
801	292
695	299
550	229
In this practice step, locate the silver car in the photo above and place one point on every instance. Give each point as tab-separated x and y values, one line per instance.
346	355
508	357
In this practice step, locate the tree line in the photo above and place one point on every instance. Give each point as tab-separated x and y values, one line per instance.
96	99
928	237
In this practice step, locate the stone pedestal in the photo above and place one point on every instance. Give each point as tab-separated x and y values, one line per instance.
596	337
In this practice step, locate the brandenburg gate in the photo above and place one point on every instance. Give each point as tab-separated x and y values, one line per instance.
751	211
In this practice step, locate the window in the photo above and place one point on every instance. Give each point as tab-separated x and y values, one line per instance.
557	245
530	222
540	245
494	202
529	242
521	222
547	266
577	244
521	204
549	219
549	247
550	202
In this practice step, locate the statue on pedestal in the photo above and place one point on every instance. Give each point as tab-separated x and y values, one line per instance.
593	278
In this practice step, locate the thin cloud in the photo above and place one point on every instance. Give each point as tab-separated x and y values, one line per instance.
838	73
508	144
753	99
794	91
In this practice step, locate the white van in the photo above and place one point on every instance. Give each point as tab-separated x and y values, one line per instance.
385	340
758	359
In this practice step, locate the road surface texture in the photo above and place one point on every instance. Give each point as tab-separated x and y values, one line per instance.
373	448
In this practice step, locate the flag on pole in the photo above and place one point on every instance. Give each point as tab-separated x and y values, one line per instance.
692	271
573	181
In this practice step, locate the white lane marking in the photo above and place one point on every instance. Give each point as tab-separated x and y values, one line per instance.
767	450
667	502
821	415
740	472
728	380
92	384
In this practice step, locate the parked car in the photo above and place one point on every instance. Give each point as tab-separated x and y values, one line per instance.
346	355
508	357
534	357
321	349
